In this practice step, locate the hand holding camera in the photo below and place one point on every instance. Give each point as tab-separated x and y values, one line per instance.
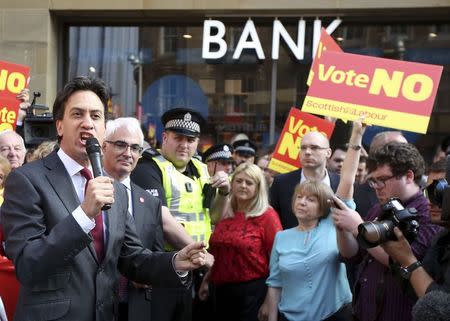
373	233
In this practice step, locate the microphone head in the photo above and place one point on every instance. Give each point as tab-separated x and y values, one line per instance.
92	145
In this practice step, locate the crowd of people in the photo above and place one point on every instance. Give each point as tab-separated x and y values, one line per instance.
173	234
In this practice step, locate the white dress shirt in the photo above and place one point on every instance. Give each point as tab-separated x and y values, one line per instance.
325	180
78	181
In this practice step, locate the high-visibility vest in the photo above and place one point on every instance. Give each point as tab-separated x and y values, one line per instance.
184	197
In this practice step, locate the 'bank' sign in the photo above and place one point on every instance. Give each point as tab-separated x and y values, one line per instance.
214	33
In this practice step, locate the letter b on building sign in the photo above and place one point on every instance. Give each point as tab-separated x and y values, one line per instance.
217	39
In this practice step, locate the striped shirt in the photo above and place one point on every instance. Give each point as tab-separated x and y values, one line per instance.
373	277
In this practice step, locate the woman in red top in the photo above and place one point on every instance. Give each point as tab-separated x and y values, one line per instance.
241	244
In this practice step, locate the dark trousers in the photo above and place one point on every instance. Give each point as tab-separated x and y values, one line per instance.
343	314
172	304
123	311
240	301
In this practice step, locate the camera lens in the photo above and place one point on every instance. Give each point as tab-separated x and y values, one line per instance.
374	233
370	232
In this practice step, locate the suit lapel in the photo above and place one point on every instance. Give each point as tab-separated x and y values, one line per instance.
111	219
61	182
138	209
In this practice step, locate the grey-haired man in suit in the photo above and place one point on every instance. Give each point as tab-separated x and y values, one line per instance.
122	149
66	251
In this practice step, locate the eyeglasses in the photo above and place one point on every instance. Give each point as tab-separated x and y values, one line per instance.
379	182
121	147
314	148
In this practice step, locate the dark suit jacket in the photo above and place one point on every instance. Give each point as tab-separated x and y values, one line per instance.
55	259
281	193
365	198
148	221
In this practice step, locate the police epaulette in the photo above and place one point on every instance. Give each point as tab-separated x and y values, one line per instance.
150	153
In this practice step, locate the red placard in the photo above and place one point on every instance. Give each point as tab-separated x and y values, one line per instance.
286	156
392	93
9	109
13	78
326	43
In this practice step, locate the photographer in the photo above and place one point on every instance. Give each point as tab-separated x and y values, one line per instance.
395	170
433	273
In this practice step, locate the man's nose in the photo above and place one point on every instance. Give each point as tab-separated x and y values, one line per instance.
127	151
88	122
184	142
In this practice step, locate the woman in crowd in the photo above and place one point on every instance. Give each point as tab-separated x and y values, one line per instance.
241	244
307	280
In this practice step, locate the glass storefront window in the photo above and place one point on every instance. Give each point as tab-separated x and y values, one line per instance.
235	95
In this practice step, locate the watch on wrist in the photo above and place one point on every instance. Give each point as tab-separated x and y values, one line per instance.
354	146
405	272
223	193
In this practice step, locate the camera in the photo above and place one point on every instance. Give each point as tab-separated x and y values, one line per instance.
371	234
435	191
38	128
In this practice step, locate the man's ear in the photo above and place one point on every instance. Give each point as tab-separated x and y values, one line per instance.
410	176
59	127
164	136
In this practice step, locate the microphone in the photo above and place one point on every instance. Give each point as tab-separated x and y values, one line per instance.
433	306
95	157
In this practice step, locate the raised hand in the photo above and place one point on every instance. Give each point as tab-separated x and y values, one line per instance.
191	257
220	180
100	191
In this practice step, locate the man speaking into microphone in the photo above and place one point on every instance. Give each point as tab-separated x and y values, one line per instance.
68	252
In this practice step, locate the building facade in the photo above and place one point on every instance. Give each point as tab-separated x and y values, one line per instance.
156	53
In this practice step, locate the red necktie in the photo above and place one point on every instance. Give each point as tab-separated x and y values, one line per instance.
97	232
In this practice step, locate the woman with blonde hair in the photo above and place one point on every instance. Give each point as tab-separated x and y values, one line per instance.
241	244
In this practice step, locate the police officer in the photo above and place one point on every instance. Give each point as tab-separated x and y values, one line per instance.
244	151
179	180
219	158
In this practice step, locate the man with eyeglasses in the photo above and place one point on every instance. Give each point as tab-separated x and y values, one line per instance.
314	152
66	250
395	170
364	196
122	149
181	181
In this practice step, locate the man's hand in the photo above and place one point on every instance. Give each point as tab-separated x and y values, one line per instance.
400	250
100	191
140	285
344	217
190	257
220	180
209	260
203	291
24	95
